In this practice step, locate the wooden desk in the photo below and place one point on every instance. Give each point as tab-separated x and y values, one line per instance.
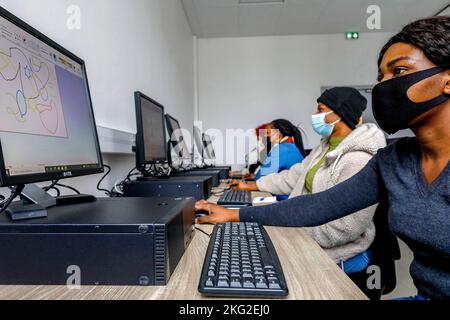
309	272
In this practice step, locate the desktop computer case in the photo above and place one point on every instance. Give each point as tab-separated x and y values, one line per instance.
197	187
130	241
224	171
214	174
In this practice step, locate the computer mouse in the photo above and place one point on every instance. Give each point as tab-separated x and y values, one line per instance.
202	213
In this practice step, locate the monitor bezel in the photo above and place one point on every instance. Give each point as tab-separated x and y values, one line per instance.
7	181
140	140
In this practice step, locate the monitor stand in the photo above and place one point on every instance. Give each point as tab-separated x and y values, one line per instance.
35	202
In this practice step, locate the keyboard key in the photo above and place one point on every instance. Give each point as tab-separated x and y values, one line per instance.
236	283
261	284
210	282
223	284
274	285
247	276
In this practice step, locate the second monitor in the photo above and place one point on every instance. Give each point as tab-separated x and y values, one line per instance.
151	147
152	155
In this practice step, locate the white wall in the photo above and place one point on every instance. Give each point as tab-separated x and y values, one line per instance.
244	82
129	45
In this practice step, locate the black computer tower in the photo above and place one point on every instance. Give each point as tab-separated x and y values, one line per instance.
129	241
198	187
224	171
214	174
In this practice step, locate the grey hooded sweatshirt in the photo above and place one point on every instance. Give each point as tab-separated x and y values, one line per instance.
347	237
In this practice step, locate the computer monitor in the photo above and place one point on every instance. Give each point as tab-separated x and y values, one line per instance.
177	138
47	125
151	145
209	147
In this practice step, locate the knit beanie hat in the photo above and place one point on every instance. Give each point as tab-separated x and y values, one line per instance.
346	102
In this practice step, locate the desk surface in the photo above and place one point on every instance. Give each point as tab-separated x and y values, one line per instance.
310	274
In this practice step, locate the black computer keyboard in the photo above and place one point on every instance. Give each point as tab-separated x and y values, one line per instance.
241	261
238	198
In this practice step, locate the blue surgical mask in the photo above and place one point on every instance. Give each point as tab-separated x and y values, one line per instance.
321	126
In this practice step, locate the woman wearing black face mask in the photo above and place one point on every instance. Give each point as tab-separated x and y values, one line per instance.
414	173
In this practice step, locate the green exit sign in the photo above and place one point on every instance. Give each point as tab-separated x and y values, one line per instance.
352	35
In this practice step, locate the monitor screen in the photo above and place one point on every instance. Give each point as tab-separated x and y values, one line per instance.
47	127
151	136
177	138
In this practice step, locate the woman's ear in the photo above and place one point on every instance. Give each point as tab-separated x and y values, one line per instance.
447	85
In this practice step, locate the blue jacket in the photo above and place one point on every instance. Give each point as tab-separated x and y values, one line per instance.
281	157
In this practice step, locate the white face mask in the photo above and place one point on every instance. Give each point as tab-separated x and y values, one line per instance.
320	125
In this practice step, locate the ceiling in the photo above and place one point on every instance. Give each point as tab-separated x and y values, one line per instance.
230	18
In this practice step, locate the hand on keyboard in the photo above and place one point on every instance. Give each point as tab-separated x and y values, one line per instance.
217	214
250	176
237	185
245	186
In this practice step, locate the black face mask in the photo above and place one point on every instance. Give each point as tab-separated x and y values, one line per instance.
392	108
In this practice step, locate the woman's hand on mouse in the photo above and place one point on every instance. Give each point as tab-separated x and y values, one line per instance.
204	205
217	214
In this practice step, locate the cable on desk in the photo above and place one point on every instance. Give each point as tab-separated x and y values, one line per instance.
204	232
15	192
67	187
52	186
107	192
158	170
58	192
117	189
